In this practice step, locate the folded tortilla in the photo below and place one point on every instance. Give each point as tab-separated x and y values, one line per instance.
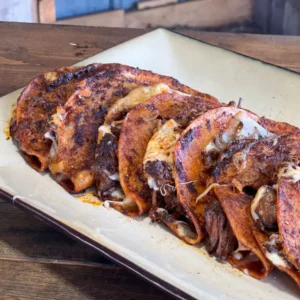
277	231
106	160
250	259
37	103
138	128
75	126
196	152
250	165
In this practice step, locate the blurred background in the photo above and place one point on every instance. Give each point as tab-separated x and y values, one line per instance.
243	16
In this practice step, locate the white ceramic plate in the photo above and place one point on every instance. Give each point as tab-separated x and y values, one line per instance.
150	250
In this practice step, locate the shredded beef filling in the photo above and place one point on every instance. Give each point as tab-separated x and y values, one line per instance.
266	210
106	167
220	238
274	245
161	172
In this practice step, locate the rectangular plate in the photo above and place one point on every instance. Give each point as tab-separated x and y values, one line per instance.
147	249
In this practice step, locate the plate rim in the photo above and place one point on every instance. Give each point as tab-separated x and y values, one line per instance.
156	281
108	253
229	50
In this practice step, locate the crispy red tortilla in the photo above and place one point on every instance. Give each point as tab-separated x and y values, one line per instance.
278	128
138	128
261	162
190	175
40	98
261	239
84	112
35	106
236	206
288	217
76	133
106	161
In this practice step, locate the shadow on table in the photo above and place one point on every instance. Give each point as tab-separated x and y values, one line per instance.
38	261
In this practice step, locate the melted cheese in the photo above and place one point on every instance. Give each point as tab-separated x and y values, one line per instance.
152	184
163	190
118	193
51	76
135	97
246	272
104	129
54	147
291	171
241	126
259	194
211	147
127	201
208	189
161	145
115	176
181	228
238	255
274	257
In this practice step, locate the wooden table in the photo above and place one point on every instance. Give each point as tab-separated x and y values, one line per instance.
37	262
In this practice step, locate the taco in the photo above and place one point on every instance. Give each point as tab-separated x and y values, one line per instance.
75	126
145	152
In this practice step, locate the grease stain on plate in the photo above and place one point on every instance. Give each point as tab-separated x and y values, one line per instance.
225	265
6	130
90	198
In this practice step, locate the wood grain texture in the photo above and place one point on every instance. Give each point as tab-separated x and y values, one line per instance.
37	262
23	280
25	52
25	237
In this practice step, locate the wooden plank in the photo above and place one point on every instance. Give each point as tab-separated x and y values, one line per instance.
203	13
283	51
25	237
47	13
19	11
154	3
27	281
113	18
23	58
